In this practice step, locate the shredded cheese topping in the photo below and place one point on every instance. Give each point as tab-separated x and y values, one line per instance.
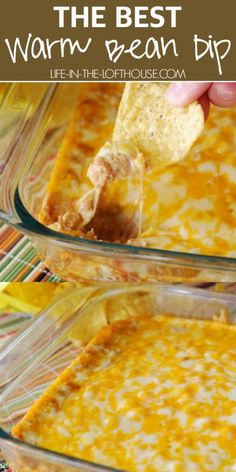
148	394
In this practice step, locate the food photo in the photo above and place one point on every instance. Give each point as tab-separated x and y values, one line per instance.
117	237
118	212
114	182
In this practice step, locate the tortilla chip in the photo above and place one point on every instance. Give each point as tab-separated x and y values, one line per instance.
162	133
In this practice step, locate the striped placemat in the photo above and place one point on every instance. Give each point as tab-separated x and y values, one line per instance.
18	259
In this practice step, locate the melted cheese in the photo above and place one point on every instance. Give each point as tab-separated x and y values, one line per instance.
146	395
189	206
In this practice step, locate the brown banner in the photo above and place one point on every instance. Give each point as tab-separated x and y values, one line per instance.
125	40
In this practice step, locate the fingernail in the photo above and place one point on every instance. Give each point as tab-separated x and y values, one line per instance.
175	93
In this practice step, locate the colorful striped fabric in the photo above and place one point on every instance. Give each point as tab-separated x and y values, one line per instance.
18	259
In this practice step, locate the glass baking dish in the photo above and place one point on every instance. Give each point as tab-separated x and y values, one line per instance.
33	120
36	356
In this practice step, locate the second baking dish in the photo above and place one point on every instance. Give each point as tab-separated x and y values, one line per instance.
34	122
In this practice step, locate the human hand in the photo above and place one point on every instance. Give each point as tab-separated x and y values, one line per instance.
221	94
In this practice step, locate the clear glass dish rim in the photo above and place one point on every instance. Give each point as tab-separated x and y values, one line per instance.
98	297
26	223
29	225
